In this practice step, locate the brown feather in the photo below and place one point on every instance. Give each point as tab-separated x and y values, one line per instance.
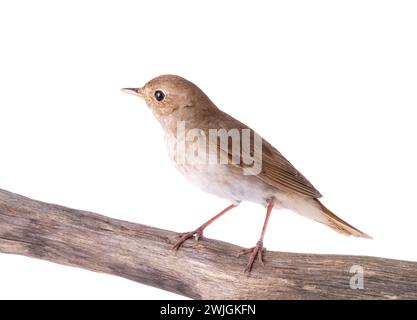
276	171
340	225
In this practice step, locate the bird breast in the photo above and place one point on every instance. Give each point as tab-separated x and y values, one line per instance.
223	180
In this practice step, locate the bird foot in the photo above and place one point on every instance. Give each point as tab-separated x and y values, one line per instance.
256	251
197	234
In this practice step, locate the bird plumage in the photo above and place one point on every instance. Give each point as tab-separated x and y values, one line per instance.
278	183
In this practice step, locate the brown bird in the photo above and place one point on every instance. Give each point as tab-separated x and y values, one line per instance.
262	175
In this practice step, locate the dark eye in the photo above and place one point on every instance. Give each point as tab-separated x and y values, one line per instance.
159	95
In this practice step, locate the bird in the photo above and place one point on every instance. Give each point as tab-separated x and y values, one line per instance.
183	109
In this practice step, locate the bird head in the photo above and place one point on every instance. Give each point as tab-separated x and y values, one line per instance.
172	98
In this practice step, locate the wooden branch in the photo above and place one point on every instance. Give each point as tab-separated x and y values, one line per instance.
207	269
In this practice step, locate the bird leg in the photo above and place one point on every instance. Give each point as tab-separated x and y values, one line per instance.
198	233
258	249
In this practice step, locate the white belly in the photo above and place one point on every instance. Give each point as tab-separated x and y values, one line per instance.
225	181
222	180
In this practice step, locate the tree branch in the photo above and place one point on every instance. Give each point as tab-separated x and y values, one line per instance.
207	269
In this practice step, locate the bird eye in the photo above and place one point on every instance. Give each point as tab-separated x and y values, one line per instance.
159	95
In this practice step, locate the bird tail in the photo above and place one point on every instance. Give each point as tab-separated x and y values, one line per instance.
339	225
315	210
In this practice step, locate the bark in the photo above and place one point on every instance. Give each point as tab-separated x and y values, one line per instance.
207	269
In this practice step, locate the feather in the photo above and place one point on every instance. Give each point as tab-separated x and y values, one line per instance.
276	170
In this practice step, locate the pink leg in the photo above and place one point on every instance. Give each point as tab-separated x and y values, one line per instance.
257	251
198	233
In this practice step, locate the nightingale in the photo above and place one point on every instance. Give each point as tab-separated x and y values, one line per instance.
194	127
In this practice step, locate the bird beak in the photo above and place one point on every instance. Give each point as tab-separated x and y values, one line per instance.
134	91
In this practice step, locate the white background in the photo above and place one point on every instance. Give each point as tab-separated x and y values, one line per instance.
332	84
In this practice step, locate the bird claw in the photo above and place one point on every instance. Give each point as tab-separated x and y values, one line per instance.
243	252
256	251
197	234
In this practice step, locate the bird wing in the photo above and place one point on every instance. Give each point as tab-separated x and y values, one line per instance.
279	172
276	170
